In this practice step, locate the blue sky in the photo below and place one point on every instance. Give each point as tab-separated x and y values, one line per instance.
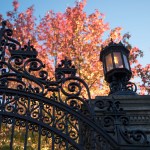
132	15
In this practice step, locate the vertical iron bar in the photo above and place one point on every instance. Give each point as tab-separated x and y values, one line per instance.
80	133
66	120
12	133
28	114
53	141
26	136
40	119
39	138
53	124
2	110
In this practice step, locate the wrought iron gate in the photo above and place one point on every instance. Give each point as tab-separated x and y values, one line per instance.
41	112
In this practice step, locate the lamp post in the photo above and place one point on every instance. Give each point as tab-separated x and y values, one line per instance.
117	70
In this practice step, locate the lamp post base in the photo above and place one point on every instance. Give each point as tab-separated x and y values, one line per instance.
122	87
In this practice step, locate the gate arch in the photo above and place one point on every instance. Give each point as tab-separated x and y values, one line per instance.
42	127
30	102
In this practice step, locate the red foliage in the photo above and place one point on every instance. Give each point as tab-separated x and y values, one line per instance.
75	35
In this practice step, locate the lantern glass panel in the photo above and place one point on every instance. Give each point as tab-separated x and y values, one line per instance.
126	62
118	60
109	63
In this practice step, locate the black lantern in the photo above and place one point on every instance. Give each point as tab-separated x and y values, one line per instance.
117	71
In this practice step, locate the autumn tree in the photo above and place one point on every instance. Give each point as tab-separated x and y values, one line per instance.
78	36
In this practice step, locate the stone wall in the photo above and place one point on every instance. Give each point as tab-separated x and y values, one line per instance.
126	118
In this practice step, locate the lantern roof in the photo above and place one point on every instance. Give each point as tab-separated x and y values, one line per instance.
113	46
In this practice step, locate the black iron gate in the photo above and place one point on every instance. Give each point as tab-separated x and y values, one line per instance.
41	113
37	112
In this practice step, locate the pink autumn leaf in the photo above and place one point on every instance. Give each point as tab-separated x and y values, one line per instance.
15	4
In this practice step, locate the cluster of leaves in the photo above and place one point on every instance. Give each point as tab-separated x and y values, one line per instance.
75	35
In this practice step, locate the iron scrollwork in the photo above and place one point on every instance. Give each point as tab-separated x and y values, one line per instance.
116	122
34	105
26	72
122	87
23	85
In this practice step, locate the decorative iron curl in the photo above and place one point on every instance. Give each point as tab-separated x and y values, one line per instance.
7	120
124	120
73	102
7	33
134	136
46	133
16	63
33	127
20	123
108	121
74	86
100	104
122	87
72	89
131	86
59	76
